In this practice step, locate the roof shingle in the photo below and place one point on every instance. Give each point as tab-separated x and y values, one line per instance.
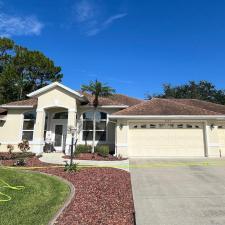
157	106
26	102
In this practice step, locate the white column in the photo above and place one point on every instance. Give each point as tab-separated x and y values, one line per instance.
38	139
72	113
206	139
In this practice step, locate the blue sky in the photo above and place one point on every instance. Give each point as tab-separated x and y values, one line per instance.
134	46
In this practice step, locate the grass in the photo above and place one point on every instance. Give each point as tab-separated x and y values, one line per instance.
37	203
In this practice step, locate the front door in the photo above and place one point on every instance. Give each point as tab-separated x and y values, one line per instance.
60	136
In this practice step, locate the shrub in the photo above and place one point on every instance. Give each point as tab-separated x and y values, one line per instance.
24	146
102	150
71	168
20	162
83	149
10	148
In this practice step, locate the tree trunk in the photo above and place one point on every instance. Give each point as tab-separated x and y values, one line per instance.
94	132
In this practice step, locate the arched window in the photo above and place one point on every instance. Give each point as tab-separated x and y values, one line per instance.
29	119
61	115
100	124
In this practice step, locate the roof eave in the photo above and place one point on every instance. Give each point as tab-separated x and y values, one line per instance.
108	106
57	84
17	106
174	117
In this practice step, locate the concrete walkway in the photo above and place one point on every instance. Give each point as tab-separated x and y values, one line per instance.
179	192
57	158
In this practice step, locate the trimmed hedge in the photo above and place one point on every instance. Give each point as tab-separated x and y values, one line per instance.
102	150
83	149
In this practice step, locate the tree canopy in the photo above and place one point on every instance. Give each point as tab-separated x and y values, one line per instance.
202	90
97	89
23	71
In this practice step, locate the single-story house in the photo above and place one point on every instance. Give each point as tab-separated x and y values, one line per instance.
130	126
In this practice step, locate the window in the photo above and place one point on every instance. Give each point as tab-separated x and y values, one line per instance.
100	126
28	125
143	126
61	115
220	127
135	126
189	126
180	126
171	125
161	125
152	126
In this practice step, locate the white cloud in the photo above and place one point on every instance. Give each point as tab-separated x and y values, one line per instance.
90	17
15	25
105	24
84	11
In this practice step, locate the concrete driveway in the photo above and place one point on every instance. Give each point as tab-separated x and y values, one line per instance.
178	192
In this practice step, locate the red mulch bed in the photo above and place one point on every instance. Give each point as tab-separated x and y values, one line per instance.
103	196
30	162
94	156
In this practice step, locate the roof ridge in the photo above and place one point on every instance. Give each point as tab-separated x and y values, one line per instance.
191	106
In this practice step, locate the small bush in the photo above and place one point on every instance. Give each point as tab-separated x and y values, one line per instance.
71	168
24	146
16	155
102	150
20	162
83	149
10	148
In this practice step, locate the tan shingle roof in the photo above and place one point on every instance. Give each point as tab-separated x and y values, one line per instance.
115	99
27	102
158	106
202	104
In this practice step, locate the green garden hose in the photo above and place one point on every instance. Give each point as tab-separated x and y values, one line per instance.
6	185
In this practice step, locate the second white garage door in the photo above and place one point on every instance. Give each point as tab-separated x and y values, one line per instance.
165	140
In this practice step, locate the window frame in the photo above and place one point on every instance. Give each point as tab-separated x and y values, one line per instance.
96	130
27	120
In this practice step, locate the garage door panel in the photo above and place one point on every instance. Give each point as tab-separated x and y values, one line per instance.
165	142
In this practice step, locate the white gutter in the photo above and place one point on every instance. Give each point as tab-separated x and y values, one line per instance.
107	106
174	117
17	106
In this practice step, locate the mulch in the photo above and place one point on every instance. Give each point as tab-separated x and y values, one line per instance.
95	156
103	196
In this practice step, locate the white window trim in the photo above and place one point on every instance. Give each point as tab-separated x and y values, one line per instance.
23	120
106	130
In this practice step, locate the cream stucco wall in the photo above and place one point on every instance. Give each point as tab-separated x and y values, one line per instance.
216	139
57	97
11	129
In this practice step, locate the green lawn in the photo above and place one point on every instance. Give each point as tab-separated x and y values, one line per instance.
34	205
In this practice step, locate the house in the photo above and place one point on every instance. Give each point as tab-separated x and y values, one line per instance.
130	126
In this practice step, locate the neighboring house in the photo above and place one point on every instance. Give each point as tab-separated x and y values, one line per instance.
131	127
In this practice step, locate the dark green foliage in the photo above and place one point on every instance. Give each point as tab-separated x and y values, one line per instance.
71	167
102	150
83	149
202	90
20	162
97	89
23	71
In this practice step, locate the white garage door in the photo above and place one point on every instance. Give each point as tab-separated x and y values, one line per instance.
165	140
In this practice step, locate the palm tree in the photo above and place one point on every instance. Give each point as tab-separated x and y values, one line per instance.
97	89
